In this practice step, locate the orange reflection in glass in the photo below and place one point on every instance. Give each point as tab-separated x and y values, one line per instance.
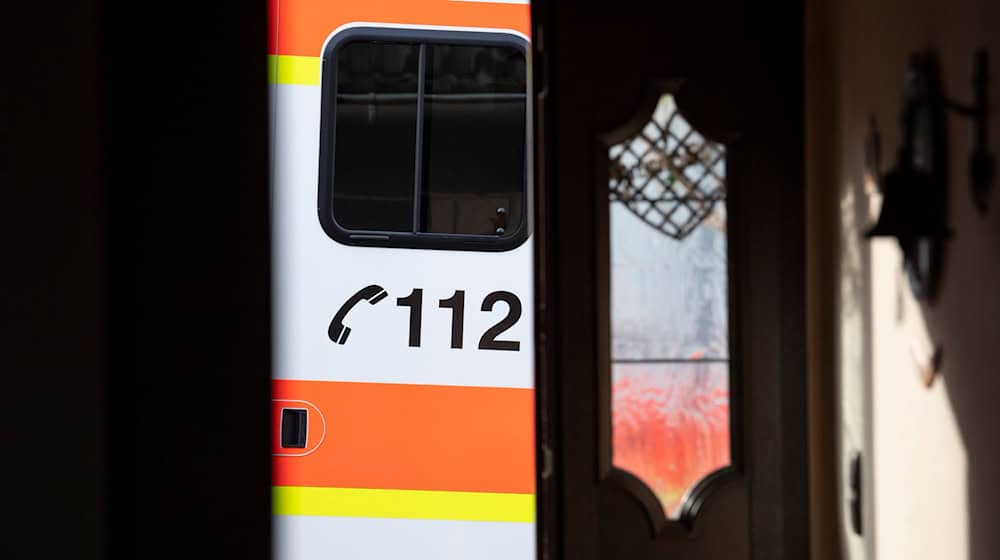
670	425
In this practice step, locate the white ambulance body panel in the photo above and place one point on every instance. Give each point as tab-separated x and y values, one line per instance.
313	276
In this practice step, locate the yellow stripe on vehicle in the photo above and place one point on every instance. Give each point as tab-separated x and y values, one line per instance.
403	504
293	70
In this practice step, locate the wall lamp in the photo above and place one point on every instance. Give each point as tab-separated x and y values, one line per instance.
914	190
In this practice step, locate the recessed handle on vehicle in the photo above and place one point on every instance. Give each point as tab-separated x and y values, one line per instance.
294	427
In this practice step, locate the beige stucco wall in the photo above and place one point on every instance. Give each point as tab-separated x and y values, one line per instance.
932	454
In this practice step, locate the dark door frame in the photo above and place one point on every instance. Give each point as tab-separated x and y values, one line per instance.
138	202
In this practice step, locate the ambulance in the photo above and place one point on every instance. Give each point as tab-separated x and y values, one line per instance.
403	368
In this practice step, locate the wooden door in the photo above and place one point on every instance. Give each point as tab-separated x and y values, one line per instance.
734	71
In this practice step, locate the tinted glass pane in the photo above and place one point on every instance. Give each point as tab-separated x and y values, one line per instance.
474	140
669	308
375	136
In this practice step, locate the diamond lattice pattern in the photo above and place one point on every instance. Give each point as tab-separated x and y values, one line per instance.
668	174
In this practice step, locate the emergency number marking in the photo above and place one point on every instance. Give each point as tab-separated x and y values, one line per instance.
456	304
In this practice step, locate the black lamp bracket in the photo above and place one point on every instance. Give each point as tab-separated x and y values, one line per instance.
981	161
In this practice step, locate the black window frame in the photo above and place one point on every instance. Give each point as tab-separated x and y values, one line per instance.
412	240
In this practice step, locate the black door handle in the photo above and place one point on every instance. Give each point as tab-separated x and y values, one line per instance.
294	427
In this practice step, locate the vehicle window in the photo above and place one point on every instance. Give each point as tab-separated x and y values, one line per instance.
427	142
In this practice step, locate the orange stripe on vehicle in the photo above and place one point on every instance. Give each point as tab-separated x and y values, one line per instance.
304	25
418	437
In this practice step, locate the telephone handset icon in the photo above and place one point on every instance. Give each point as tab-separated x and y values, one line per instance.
338	331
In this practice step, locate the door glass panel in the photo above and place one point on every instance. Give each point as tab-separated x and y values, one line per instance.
669	308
